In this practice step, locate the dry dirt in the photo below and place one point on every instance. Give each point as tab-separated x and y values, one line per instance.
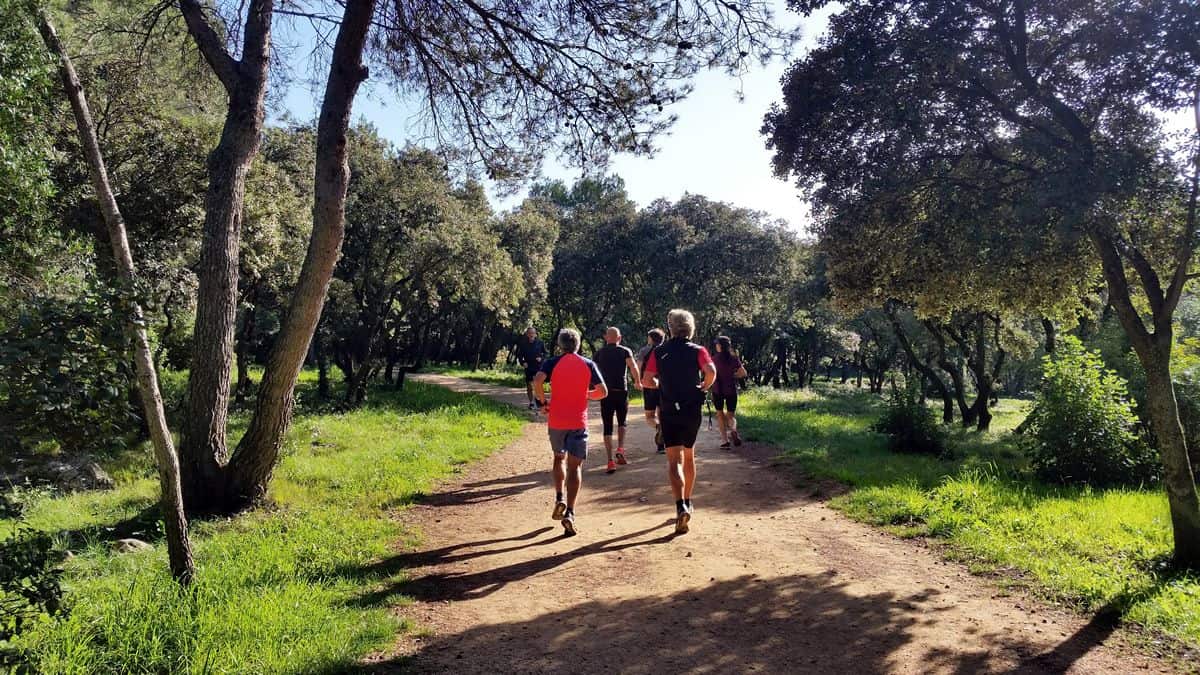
768	579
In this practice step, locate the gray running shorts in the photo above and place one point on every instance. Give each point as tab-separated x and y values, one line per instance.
571	441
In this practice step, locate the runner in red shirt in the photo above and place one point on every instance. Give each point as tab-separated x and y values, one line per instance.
682	372
575	381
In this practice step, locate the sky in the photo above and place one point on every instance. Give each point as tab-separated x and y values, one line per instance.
714	149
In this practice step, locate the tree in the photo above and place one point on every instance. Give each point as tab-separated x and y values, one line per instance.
515	80
1058	99
179	550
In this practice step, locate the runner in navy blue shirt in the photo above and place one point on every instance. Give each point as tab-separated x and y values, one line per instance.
530	353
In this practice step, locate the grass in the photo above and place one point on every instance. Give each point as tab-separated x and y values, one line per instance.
276	589
506	377
1092	549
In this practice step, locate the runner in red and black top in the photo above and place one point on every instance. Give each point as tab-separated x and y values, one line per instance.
650	396
725	393
613	359
575	381
683	372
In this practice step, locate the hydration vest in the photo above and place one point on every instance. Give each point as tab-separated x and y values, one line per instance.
678	362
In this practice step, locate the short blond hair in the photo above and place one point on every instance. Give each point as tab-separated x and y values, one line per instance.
681	323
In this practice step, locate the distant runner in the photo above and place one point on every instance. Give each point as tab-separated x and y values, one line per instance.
650	396
530	354
725	393
683	372
575	380
613	360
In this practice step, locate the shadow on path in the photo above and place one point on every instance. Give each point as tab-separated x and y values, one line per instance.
799	623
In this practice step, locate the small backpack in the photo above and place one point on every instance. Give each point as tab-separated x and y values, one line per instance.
678	362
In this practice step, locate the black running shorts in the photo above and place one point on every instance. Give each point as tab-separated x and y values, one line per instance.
722	401
615	404
650	397
680	427
531	372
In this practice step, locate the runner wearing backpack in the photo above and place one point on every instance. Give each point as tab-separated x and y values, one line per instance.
683	372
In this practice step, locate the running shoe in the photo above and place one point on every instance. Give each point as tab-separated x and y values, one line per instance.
612	467
560	509
568	523
726	446
662	449
737	438
532	406
681	521
658	439
621	456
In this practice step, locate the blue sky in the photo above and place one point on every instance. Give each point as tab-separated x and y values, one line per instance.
715	149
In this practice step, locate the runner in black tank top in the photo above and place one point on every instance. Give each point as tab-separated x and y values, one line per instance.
683	372
613	360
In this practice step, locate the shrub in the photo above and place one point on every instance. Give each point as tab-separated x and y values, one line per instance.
910	425
1082	429
29	582
66	375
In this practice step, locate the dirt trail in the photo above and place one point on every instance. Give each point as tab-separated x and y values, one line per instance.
768	579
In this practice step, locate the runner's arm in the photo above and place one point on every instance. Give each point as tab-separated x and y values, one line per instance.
539	387
631	364
599	389
710	375
649	376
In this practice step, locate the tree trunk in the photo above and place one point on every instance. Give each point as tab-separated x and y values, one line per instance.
253	462
1051	335
925	369
1154	353
179	550
202	437
243	350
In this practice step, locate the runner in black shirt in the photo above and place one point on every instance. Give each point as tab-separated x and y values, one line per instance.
613	360
530	353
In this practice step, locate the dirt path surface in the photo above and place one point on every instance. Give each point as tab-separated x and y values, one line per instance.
768	580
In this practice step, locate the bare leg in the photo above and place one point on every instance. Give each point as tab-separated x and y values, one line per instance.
560	472
731	421
723	424
620	437
675	470
529	391
608	447
574	479
689	472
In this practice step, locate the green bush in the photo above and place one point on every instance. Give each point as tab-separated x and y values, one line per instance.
910	425
30	586
66	376
1082	429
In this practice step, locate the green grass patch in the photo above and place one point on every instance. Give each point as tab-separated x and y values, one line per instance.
1088	548
508	377
276	589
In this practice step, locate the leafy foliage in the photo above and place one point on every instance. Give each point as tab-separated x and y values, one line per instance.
1082	429
30	586
911	426
66	375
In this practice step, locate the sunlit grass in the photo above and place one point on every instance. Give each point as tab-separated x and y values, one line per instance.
1091	549
276	588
